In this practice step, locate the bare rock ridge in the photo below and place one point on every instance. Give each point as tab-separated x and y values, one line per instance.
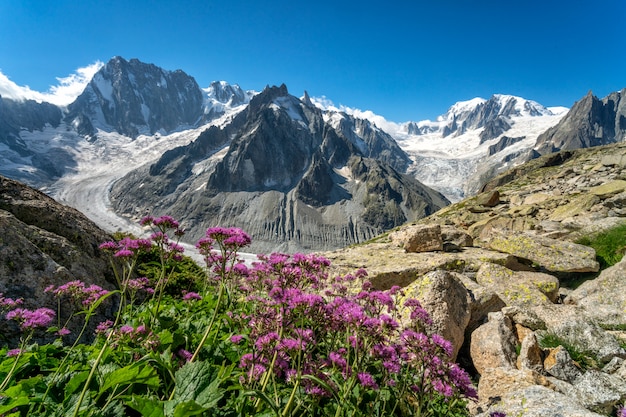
512	250
132	98
590	122
293	179
45	243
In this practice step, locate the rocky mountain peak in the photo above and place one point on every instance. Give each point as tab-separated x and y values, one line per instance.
228	94
590	122
133	98
281	169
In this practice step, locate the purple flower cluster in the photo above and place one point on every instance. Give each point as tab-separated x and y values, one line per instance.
7	303
621	411
81	294
127	247
31	319
139	284
191	296
304	323
129	336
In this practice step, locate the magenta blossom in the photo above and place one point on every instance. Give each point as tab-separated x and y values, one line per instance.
13	352
188	296
29	319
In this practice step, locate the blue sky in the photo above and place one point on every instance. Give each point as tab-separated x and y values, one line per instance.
404	60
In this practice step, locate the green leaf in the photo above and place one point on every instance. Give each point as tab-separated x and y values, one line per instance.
166	337
148	407
133	374
75	382
188	408
198	381
14	402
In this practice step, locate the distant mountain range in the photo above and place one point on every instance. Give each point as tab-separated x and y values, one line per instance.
296	175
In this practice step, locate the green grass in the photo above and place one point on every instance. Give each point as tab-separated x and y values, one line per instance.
586	359
609	245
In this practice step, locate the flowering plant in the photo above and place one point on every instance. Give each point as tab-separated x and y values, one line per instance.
279	336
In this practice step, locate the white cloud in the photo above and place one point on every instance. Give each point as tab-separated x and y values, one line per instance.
62	94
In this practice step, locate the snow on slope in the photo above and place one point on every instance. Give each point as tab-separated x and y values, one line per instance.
102	162
451	161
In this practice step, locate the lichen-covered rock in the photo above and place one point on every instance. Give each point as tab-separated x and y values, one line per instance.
578	205
530	356
518	288
497	382
609	189
488	199
422	238
600	392
482	301
604	298
445	298
493	344
388	265
559	364
552	254
538	401
44	243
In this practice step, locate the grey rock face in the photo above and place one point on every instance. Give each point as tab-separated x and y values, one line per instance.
503	143
590	122
132	98
45	243
287	177
493	129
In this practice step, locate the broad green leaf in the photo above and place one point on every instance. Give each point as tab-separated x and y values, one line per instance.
13	402
148	407
188	408
76	382
132	374
198	381
166	337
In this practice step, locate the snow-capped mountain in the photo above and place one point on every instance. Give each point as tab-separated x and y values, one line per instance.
136	117
294	177
473	140
133	98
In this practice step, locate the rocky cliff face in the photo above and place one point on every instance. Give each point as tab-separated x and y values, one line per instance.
18	120
134	98
511	251
45	243
292	176
590	122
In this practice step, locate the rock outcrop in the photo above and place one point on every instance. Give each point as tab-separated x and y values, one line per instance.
45	243
539	341
590	122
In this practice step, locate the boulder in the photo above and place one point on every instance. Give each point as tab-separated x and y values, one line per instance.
518	288
600	392
559	364
579	205
482	301
552	254
45	243
497	382
538	401
488	199
493	344
609	189
530	356
603	298
445	298
422	238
